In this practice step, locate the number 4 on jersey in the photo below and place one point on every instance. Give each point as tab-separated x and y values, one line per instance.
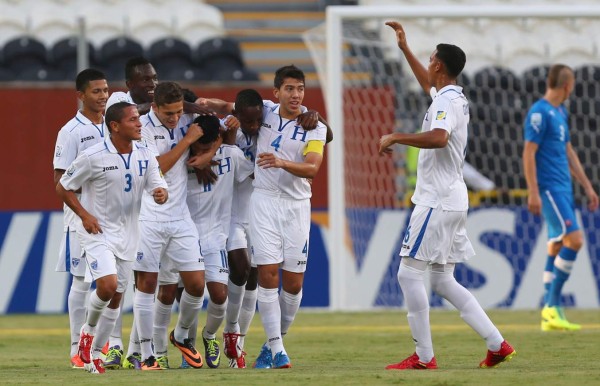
276	143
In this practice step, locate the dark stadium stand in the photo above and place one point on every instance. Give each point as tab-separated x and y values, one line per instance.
26	58
221	59
172	59
63	56
115	53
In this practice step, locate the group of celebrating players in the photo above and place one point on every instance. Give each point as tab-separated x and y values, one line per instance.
158	189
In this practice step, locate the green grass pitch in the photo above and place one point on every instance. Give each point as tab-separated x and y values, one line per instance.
332	349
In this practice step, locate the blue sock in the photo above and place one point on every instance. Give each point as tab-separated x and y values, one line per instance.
548	275
563	265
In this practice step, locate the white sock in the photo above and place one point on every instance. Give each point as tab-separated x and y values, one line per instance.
415	297
95	308
76	303
444	284
215	313
189	307
235	297
162	318
134	341
247	314
289	305
143	309
270	314
115	338
103	330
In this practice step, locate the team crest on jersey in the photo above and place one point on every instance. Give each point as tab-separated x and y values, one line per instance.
74	262
71	170
94	265
140	256
440	115
58	151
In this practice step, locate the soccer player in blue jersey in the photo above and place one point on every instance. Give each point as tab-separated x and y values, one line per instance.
549	160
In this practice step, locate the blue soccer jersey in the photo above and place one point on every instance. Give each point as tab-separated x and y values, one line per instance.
548	127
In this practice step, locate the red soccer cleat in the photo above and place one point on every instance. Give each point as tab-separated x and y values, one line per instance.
85	347
230	341
413	363
95	367
494	358
105	349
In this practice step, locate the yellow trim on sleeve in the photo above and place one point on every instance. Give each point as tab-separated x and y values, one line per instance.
313	146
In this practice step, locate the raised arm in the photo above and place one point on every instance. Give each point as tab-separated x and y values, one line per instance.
417	68
217	105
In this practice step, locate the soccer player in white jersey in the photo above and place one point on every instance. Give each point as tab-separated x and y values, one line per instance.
168	232
210	206
280	210
436	238
84	130
242	286
112	176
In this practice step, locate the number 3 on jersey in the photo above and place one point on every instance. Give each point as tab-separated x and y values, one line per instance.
276	143
127	182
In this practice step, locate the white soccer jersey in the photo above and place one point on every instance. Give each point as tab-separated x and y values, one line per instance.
112	186
160	140
243	190
286	139
74	137
439	171
210	204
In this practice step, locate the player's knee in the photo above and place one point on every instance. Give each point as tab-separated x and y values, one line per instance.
146	282
195	289
252	281
239	274
167	293
573	240
218	293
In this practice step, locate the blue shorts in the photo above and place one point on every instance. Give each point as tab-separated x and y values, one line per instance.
559	212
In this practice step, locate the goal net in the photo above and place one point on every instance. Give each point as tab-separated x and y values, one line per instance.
370	91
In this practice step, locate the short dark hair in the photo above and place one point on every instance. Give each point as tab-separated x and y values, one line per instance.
167	92
210	125
284	72
86	76
115	113
558	75
247	98
189	95
131	65
453	57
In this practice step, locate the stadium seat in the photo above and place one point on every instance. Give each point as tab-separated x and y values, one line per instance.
219	59
51	22
13	23
27	59
63	56
172	59
199	23
115	53
497	78
151	24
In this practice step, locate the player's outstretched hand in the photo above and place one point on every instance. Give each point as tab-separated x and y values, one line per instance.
384	144
202	160
231	123
400	34
592	199
308	120
91	225
194	133
534	204
268	160
199	107
160	195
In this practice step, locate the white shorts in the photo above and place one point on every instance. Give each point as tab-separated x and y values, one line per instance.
238	236
101	262
279	231
69	256
437	236
217	266
175	241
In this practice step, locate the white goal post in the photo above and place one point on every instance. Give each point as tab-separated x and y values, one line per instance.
327	47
